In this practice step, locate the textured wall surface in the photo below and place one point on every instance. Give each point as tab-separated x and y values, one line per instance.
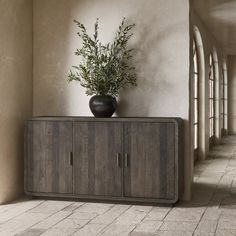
232	93
15	92
162	56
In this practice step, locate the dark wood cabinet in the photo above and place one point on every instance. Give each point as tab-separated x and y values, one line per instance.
125	159
49	146
149	160
97	148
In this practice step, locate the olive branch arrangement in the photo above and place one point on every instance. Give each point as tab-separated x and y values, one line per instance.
104	69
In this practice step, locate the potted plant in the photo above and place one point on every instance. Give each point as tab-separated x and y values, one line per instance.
104	69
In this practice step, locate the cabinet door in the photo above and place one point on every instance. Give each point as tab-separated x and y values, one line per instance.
149	160
97	163
49	145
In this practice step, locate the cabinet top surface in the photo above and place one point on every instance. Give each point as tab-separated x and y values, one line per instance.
117	119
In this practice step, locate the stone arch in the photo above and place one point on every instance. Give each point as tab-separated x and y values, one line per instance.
201	93
217	95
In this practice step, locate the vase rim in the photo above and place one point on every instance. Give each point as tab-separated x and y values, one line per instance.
103	95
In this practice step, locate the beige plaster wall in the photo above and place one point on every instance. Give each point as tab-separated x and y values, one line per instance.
209	45
15	92
232	93
162	57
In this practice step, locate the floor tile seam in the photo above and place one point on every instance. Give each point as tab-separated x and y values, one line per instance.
88	222
52	216
229	160
225	172
220	180
200	218
231	186
13	231
224	229
53	224
141	220
182	221
162	219
107	226
217	220
96	212
43	201
5	210
58	235
97	215
217	223
71	205
212	195
211	199
209	207
28	227
221	201
167	213
77	230
174	230
231	157
22	213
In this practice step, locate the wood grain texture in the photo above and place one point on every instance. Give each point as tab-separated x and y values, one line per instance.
150	147
153	171
96	145
48	164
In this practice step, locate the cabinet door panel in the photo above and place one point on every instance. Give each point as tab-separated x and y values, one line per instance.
48	160
150	170
96	145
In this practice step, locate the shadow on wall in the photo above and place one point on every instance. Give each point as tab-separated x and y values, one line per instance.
159	66
151	60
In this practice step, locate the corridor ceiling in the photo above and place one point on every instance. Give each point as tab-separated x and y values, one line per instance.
219	16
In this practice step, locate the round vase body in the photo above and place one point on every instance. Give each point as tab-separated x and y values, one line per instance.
102	106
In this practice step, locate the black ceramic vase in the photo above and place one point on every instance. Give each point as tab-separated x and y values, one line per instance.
102	106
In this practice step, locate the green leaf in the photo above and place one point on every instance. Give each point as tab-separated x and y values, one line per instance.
104	69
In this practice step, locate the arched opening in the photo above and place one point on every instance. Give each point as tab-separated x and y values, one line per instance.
198	97
214	100
224	100
212	113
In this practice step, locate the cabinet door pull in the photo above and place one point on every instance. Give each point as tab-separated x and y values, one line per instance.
118	159
71	158
126	160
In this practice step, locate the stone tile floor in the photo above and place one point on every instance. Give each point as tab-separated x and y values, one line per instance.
212	210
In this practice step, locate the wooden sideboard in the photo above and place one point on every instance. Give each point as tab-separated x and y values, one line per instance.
124	159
